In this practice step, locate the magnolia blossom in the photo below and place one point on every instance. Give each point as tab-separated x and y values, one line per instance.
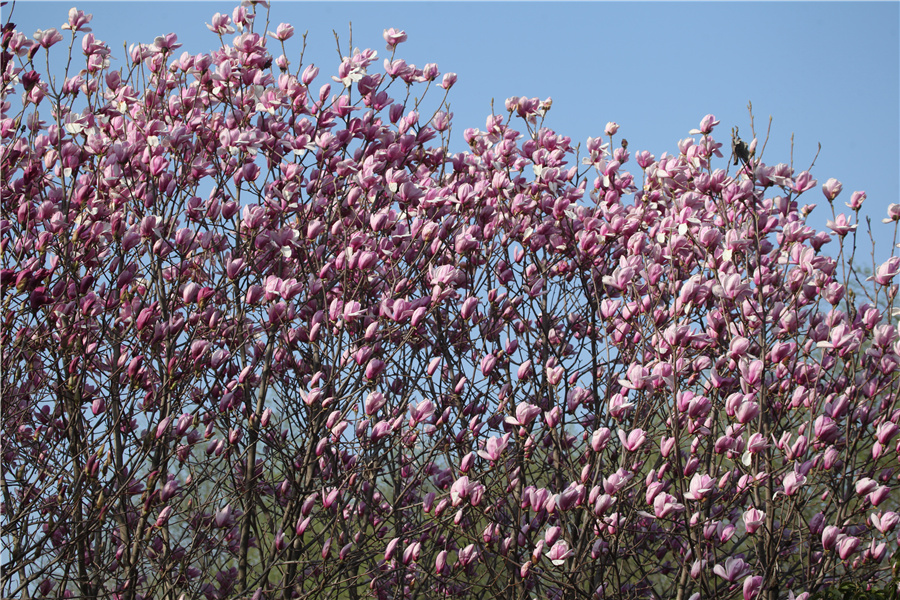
792	482
753	519
700	486
224	517
48	37
885	522
751	587
706	125
832	188
78	20
841	225
666	504
634	440
494	447
732	570
283	33
559	552
525	414
394	37
893	213
228	287
847	545
887	271
830	536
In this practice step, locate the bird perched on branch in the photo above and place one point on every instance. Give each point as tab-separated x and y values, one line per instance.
739	148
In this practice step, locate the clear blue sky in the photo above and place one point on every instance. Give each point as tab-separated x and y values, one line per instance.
825	71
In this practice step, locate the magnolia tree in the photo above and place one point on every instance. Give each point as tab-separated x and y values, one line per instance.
271	338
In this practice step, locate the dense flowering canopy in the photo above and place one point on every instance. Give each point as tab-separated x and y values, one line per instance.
269	337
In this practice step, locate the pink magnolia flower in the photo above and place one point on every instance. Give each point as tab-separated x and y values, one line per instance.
412	552
825	429
603	503
309	74
525	370
734	569
666	504
568	497
163	517
600	439
440	564
47	37
886	522
184	421
381	429
283	32
459	490
394	37
234	267
430	72
752	586
803	182
886	431
165	43
634	440
757	443
878	495
700	486
467	309
448	80
421	412
224	517
841	225
747	412
644	159
552	416
666	445
893	213
706	125
390	549
847	545
832	188
220	24
441	120
525	414
78	20
792	482
830	536
559	552
494	447
98	406
468	555
875	551
552	534
466	463
525	568
374	401
887	271
616	481
445	275
865	485
375	368
753	519
856	200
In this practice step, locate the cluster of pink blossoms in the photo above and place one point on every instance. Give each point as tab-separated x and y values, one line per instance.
269	338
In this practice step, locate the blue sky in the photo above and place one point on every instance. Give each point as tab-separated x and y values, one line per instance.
825	71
